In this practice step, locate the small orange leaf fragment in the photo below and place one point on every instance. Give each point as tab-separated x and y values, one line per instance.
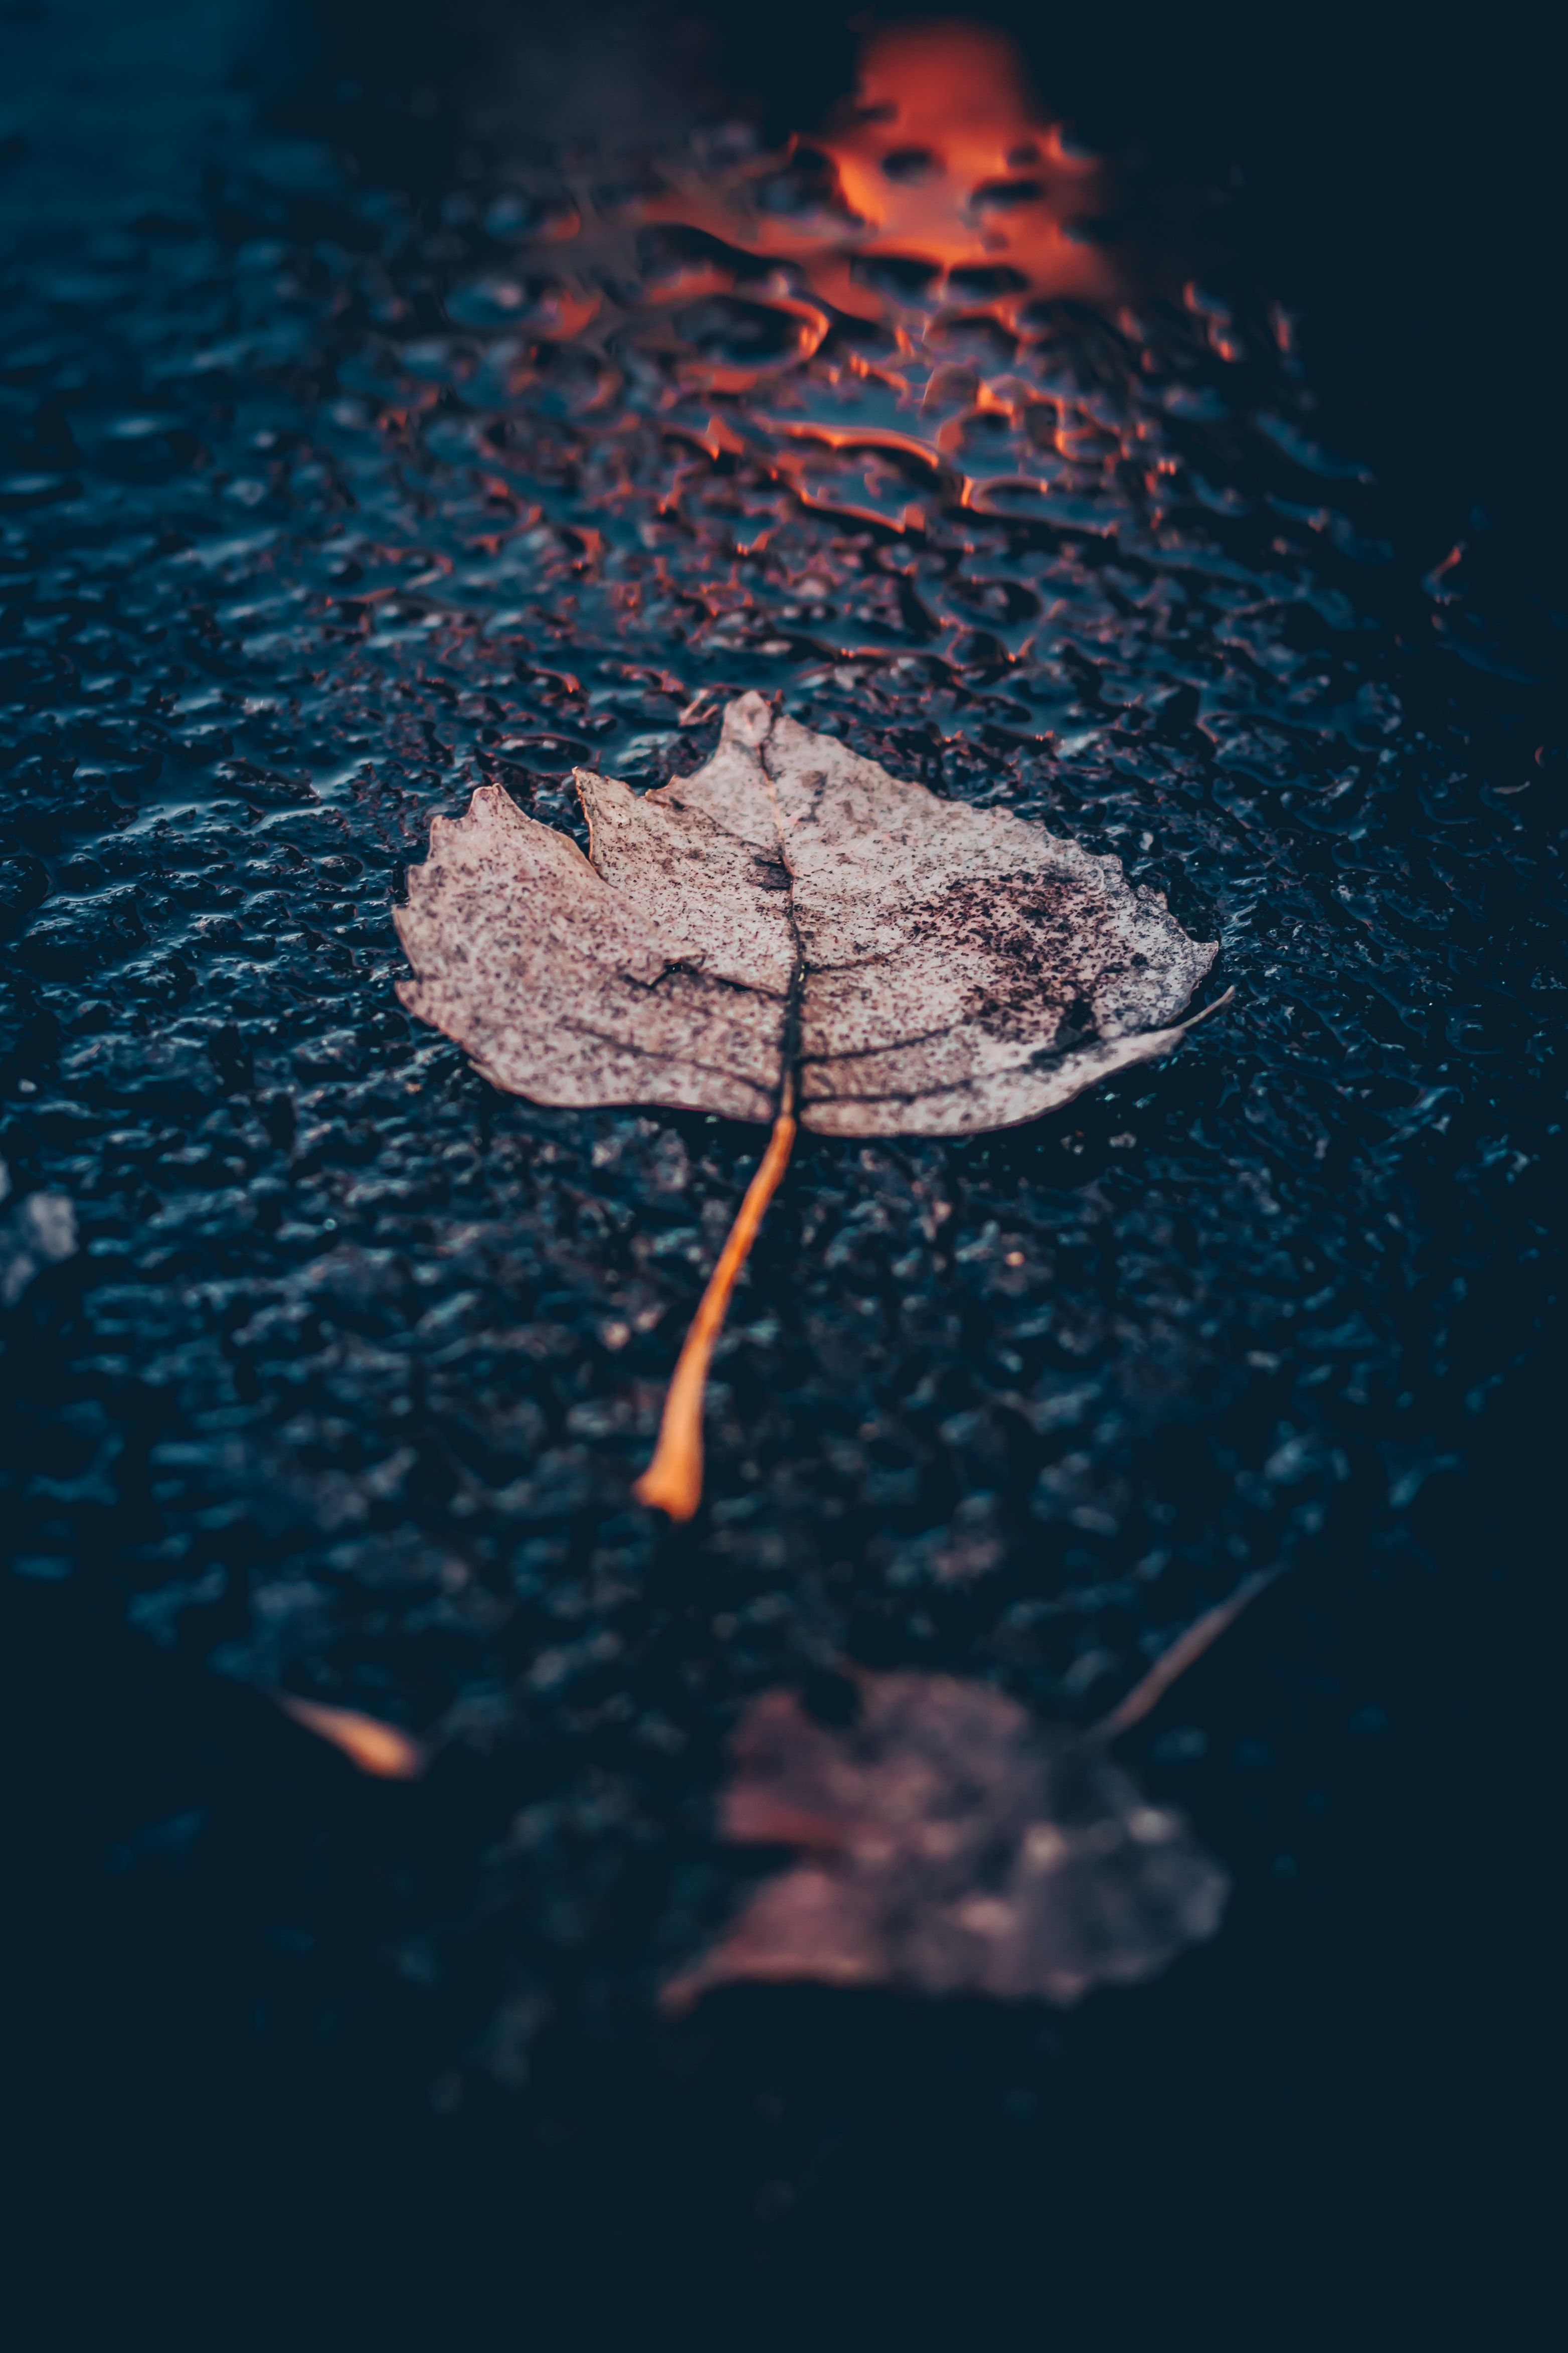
374	1747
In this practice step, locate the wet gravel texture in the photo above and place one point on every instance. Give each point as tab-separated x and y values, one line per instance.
311	520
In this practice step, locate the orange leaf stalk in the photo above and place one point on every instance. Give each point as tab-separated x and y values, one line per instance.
673	1480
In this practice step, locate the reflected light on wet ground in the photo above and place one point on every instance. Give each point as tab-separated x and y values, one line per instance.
909	246
943	163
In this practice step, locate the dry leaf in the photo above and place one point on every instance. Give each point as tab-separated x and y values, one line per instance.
791	933
956	1846
928	968
960	1845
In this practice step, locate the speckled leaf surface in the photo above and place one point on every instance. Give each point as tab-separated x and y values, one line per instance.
946	969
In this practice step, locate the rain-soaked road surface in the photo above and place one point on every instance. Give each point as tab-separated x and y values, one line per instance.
327	496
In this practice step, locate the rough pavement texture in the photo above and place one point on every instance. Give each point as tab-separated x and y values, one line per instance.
315	516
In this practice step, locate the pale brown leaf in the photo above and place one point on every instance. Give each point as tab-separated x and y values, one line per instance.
955	1845
790	934
928	968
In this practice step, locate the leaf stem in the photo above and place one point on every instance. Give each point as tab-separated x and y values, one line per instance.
673	1480
1147	1694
